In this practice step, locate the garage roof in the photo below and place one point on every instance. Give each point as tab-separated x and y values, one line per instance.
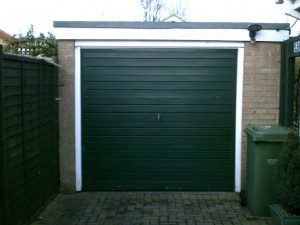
166	25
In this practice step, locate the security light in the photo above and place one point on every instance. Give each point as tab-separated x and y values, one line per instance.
253	29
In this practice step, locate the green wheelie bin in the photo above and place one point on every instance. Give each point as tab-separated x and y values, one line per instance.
263	146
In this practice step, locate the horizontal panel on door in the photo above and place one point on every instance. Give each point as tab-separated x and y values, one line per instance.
121	98
214	148
158	62
159	176
159	53
158	165
159	108
207	146
158	131
163	117
155	140
158	186
99	76
172	100
217	153
156	72
160	94
91	88
161	124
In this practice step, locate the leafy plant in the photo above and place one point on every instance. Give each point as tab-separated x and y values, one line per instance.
42	45
287	174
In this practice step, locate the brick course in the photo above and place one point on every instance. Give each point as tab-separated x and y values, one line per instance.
260	99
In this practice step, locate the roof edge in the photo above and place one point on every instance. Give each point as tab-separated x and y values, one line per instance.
166	25
5	35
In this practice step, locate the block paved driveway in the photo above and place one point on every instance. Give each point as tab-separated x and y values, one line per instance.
170	208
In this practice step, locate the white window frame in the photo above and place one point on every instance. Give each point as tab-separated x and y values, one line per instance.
239	46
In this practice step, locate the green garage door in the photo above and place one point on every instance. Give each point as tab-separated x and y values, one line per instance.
158	119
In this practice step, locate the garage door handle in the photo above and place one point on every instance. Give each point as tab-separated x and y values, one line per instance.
158	117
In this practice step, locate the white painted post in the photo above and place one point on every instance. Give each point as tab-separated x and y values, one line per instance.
78	119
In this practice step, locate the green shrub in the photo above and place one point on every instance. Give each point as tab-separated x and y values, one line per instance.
287	174
29	44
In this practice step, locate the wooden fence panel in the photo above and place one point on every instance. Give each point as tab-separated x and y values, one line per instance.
29	133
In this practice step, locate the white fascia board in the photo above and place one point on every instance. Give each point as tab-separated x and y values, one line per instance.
169	34
158	44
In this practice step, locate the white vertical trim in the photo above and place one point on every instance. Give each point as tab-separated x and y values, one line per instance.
238	123
78	119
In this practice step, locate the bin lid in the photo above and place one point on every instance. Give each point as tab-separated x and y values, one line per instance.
268	133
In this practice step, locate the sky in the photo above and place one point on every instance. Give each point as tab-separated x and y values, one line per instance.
41	13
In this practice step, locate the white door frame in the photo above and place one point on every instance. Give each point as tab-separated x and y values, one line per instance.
160	44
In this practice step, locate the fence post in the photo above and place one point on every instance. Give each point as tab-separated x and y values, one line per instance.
2	209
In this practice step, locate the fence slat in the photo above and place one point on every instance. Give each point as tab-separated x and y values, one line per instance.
41	75
23	139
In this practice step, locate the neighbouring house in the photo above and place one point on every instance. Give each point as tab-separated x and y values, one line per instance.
162	106
4	36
